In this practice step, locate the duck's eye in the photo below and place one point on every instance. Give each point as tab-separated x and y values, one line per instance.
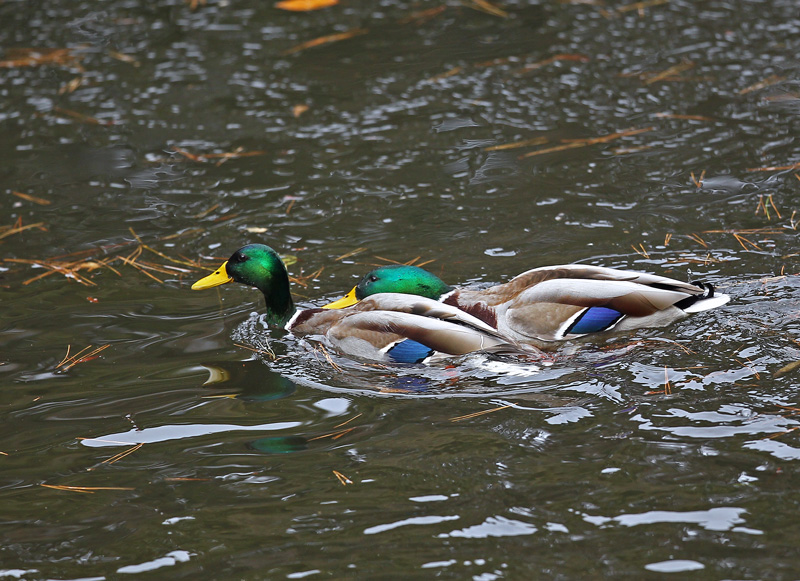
373	278
237	257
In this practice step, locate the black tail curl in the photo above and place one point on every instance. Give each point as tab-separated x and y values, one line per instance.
708	292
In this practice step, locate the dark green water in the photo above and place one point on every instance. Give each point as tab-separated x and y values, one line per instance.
594	471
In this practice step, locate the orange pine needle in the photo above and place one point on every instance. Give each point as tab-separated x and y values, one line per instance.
640	6
305	5
480	413
584	142
516	144
34	199
775	168
672	71
351	253
344	480
325	40
770	80
489	8
85	489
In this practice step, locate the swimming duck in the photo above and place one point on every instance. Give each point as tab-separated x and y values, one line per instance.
389	327
553	303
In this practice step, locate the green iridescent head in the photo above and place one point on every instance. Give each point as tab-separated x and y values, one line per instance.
400	278
260	266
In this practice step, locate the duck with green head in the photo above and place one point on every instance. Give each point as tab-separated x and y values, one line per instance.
552	303
392	327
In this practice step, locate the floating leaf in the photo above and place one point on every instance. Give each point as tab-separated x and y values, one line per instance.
305	5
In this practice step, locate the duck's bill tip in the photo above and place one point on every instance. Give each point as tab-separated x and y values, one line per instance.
346	301
216	278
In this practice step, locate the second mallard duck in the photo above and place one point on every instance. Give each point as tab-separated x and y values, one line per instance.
553	303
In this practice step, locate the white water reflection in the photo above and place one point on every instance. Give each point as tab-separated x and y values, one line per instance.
730	420
714	519
494	526
178	432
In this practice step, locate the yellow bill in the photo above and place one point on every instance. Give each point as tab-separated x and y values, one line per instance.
347	300
218	277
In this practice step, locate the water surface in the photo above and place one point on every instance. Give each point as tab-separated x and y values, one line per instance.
198	445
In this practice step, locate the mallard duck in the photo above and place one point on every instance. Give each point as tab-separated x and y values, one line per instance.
390	327
553	303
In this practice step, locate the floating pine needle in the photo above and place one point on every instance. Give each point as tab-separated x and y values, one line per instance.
125	58
30	198
788	368
303	279
553	59
71	86
348	421
667	238
260	350
351	253
34	57
61	112
305	5
480	413
329	359
684	117
640	6
741	240
344	480
775	168
180	479
696	238
770	80
670	73
121	455
516	144
333	435
446	74
81	356
641	250
423	15
325	40
85	489
6	231
574	143
698	182
298	110
777	435
222	157
488	7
